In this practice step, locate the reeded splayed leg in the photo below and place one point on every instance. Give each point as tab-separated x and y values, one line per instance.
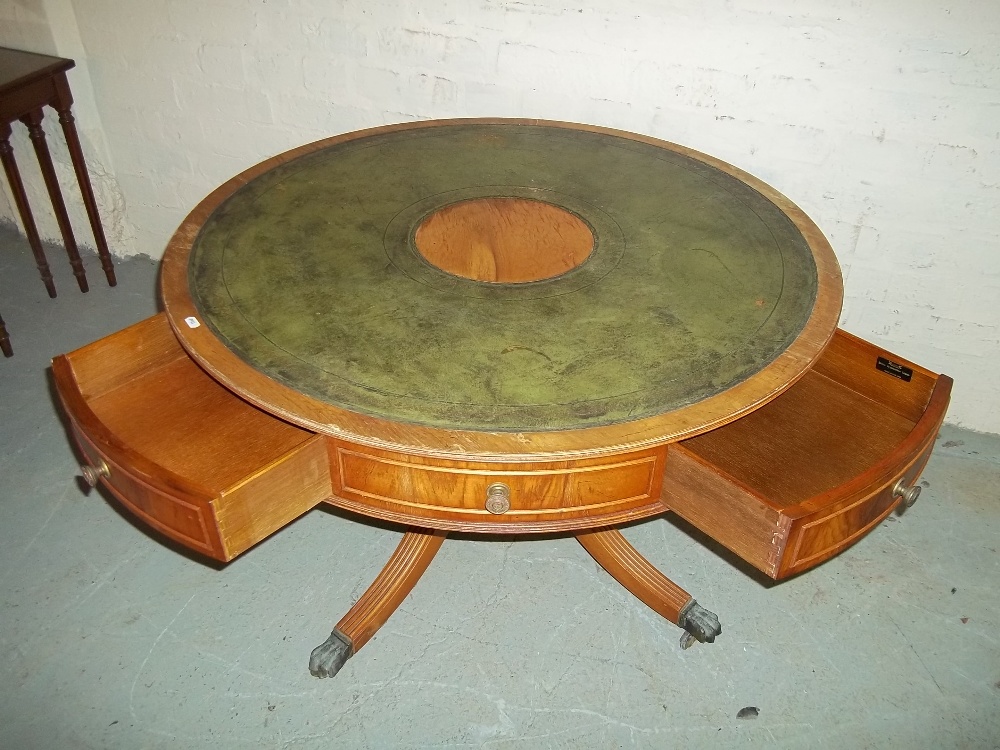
633	571
415	551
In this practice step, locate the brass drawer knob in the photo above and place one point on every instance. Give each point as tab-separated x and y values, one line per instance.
908	495
92	474
498	498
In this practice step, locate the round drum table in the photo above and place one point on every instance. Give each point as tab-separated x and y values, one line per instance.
501	325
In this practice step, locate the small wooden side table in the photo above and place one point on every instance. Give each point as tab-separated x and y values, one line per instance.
29	82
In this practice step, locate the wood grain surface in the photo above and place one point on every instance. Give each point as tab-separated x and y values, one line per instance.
633	571
184	454
504	240
806	476
409	561
450	494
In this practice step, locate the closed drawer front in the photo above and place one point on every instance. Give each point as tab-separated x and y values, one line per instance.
531	493
185	519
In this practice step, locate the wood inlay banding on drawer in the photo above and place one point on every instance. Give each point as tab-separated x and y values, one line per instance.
432	488
843	527
823	533
186	455
179	518
811	472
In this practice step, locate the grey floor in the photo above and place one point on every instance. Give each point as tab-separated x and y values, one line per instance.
112	639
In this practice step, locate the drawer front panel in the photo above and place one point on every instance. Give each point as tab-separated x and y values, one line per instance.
421	489
819	539
823	534
187	520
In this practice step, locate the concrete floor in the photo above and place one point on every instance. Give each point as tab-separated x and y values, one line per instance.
113	639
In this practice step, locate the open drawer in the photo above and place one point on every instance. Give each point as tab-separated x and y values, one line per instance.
180	451
795	482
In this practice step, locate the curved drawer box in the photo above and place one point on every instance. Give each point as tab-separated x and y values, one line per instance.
539	497
805	476
179	451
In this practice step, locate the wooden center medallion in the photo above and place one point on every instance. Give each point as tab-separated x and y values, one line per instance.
504	240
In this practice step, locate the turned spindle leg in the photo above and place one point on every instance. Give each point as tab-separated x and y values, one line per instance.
86	190
633	571
24	209
34	122
411	558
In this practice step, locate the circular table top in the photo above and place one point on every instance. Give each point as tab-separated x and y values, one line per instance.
502	278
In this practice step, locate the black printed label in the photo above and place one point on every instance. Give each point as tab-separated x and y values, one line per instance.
894	368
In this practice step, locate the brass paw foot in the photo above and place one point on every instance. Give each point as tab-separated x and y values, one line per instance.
327	658
699	624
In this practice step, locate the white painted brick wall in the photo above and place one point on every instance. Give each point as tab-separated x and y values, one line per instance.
882	120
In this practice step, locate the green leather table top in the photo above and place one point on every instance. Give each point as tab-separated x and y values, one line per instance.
310	274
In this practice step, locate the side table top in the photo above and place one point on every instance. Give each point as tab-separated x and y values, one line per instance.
495	278
18	68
